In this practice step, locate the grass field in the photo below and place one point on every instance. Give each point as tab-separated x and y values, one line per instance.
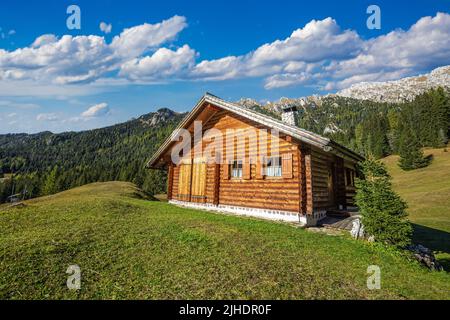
128	247
427	192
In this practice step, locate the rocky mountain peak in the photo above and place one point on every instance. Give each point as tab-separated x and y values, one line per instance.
155	118
402	90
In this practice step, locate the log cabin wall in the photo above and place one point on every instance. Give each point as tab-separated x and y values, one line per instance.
319	179
329	186
175	185
322	187
275	193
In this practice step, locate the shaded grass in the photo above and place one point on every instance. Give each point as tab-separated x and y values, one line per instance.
427	192
131	248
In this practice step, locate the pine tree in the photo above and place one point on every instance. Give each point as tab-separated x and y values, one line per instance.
50	185
411	155
383	211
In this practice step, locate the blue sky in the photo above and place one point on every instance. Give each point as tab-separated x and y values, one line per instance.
167	54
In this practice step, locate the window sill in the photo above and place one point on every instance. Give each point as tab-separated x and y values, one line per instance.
273	178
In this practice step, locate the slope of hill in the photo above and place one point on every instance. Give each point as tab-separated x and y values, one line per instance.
427	192
131	248
405	89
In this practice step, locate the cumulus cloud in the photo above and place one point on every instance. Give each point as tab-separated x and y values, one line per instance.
424	46
135	41
105	27
324	55
43	40
316	42
97	110
163	63
84	59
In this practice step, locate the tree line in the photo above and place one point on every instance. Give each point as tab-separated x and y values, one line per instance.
47	163
381	129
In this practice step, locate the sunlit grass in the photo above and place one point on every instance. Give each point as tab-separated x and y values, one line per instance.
427	192
131	248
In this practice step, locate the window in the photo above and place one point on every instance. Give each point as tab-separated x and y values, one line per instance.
273	167
350	177
236	169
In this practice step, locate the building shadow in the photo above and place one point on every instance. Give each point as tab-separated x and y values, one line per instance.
436	240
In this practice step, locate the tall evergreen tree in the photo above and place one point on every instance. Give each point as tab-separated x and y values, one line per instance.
411	155
383	211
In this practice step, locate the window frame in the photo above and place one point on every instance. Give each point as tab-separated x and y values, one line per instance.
237	166
274	170
350	177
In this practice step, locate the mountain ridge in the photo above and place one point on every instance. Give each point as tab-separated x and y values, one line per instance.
395	91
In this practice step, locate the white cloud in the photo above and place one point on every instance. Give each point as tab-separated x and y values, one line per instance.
97	110
135	41
163	63
83	59
424	46
323	55
317	41
105	28
47	117
11	32
43	40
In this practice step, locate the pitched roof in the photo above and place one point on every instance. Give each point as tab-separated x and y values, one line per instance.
297	133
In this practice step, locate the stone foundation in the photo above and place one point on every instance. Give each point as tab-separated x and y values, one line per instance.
276	215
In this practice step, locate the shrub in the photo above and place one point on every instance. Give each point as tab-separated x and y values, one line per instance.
383	211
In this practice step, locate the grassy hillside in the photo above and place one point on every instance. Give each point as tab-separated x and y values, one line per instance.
427	192
129	247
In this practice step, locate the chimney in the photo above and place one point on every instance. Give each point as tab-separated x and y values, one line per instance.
290	115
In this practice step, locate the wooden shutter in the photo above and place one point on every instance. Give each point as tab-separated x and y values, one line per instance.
259	168
226	171
287	165
246	169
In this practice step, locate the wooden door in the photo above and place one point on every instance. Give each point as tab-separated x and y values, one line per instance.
192	181
184	181
198	190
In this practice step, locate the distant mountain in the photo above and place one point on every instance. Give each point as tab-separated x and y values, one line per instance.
398	91
374	118
405	89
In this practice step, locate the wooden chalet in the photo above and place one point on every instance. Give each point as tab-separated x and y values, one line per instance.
308	176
